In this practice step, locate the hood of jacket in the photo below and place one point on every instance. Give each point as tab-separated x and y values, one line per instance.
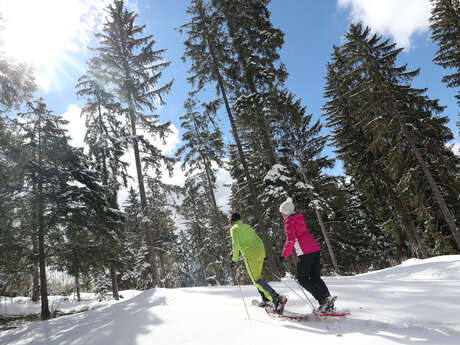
295	219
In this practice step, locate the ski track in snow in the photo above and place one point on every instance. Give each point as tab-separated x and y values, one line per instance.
417	302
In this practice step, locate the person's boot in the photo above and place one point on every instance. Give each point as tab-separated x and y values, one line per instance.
279	301
327	304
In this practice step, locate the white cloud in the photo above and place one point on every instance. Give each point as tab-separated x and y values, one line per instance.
400	19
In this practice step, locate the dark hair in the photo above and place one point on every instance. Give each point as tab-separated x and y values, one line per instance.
235	216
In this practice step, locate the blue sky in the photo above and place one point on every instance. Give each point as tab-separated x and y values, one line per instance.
311	29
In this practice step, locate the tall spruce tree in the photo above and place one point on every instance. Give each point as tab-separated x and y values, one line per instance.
18	249
203	151
105	135
52	169
207	47
256	72
301	146
134	274
160	197
203	145
445	26
134	68
392	124
44	137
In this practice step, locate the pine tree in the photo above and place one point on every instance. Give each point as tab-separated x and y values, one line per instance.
160	198
134	274
445	26
52	168
105	135
208	48
203	146
44	137
383	124
204	248
257	72
301	146
361	243
134	69
203	150
17	242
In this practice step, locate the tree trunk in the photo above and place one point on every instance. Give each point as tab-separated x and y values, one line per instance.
113	275
35	276
45	312
328	243
77	285
162	259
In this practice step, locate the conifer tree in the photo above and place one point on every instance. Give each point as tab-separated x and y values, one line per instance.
18	252
207	46
160	198
203	150
257	72
105	135
44	135
203	146
134	68
361	243
371	100
205	249
52	168
134	274
301	146
445	26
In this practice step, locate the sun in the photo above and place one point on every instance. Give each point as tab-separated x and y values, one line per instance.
47	33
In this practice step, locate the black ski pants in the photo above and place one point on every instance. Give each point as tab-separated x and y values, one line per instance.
309	275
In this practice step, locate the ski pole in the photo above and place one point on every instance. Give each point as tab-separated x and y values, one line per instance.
241	292
300	287
301	298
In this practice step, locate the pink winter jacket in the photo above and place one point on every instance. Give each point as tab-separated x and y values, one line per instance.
298	237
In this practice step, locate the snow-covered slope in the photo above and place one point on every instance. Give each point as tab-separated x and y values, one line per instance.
417	302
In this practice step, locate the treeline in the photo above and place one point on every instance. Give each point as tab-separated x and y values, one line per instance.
59	205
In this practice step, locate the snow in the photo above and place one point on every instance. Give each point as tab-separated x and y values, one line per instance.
302	185
416	302
278	172
455	147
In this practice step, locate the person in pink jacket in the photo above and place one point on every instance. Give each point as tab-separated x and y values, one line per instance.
308	252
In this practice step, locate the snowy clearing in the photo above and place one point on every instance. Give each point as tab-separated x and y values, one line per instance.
416	302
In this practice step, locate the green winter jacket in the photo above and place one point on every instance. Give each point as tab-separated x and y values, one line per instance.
244	239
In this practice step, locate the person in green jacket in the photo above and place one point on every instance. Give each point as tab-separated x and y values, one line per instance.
252	249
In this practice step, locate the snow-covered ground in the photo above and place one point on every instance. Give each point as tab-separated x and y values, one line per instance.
417	302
